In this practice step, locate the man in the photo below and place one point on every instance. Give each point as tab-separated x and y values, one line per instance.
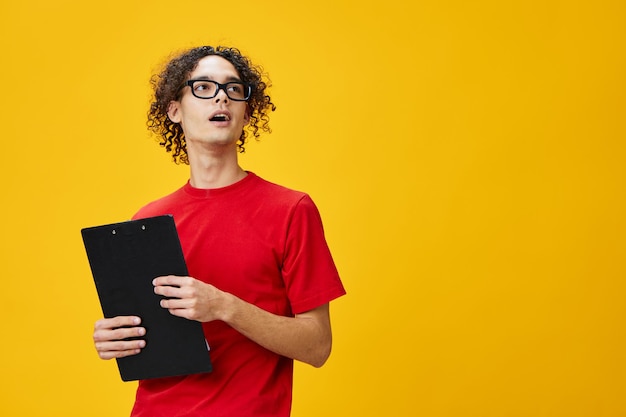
261	275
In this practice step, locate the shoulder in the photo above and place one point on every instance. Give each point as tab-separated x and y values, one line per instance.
296	207
278	196
276	190
163	205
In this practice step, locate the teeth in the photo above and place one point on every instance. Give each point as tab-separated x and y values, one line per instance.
225	117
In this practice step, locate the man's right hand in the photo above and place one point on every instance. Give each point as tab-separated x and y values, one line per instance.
110	336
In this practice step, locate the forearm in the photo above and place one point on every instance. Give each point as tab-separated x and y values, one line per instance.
306	337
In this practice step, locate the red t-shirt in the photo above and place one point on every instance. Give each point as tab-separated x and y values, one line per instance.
265	244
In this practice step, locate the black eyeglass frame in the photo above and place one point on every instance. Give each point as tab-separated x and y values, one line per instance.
220	86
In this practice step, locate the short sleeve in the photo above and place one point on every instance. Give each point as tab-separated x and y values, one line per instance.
309	272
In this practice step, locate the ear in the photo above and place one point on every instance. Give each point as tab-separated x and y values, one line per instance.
173	111
246	116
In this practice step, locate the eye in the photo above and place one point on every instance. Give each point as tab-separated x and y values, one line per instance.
201	86
235	88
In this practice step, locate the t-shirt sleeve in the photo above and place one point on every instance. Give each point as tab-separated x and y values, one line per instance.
309	272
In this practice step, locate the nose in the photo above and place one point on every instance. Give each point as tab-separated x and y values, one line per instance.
221	94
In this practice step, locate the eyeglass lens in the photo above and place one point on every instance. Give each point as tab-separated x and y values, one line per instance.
209	89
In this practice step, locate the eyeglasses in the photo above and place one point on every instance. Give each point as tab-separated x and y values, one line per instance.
207	89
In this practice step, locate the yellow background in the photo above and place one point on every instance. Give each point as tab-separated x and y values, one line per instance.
467	158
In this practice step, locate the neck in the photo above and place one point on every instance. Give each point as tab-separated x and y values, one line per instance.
214	169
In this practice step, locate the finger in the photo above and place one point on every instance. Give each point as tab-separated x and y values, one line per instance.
119	321
118	334
122	333
120	346
168	291
118	354
119	349
176	303
171	280
187	313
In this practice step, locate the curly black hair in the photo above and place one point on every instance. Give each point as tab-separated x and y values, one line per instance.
168	85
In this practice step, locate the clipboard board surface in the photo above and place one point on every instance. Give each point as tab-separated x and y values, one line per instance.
124	259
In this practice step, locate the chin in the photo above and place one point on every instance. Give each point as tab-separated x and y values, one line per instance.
226	142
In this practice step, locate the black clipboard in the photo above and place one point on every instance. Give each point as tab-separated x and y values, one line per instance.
124	259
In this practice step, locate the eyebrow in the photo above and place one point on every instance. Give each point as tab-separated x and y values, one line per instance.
232	78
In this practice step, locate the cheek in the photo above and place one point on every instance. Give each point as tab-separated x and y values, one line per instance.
192	117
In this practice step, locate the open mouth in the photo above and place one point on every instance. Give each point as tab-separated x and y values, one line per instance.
220	118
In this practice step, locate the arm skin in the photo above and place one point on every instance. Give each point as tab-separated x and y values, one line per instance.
307	337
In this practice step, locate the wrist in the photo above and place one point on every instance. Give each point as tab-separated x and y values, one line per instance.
227	307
